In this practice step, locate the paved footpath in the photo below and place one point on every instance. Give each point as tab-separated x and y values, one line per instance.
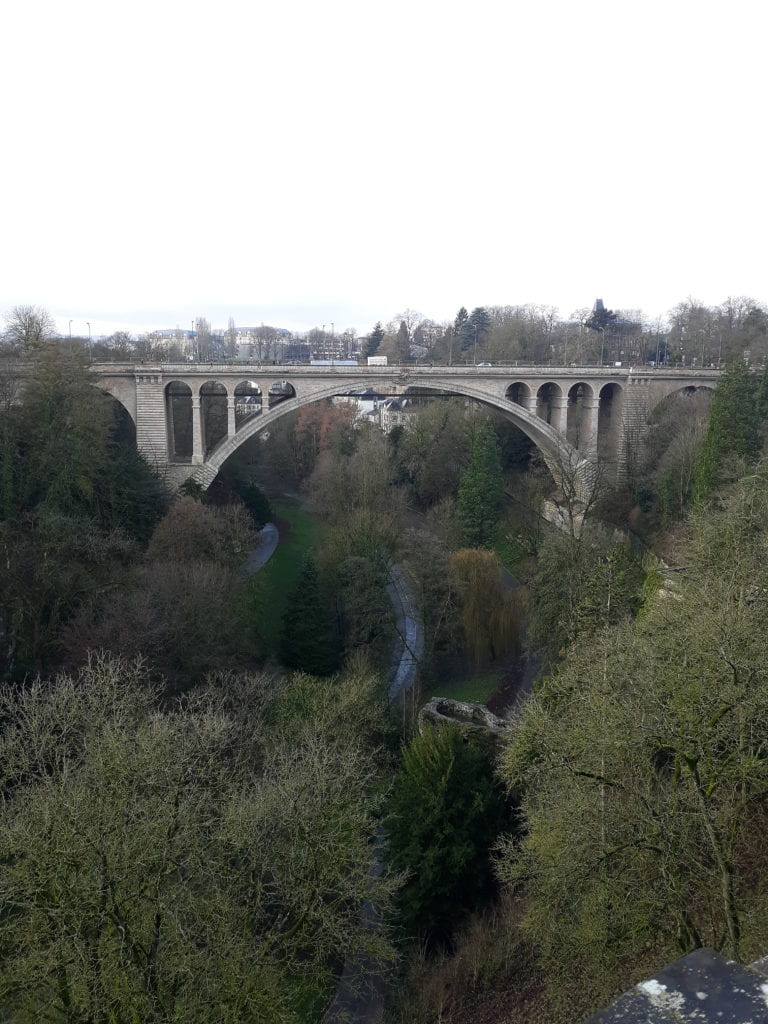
360	996
268	538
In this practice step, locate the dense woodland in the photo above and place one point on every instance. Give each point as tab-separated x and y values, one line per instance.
194	763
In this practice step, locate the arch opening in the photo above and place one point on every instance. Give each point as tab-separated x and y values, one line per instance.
680	408
609	420
178	406
124	427
248	402
549	400
213	413
280	391
520	394
580	416
690	391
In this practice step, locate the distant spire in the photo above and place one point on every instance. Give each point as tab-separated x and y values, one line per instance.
598	307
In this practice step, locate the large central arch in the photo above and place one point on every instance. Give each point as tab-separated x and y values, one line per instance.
570	469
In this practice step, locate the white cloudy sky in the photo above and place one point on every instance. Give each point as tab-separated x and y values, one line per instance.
300	162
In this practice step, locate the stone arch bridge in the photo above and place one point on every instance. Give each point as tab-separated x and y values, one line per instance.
190	417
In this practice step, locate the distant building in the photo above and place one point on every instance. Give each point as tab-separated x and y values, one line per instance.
182	339
394	412
297	352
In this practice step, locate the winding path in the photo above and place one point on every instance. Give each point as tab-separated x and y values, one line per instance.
409	646
359	998
361	992
258	557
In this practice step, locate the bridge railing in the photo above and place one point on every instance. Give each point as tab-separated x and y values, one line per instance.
416	369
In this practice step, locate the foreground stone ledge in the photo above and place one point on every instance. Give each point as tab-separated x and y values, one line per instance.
702	987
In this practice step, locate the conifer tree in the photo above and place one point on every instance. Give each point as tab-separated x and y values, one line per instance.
461	328
481	491
374	340
762	395
478	326
733	426
310	637
403	343
445	813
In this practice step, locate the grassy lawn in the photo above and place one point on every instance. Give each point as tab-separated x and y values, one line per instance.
271	586
473	688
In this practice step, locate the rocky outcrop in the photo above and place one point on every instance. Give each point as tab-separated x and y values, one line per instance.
466	714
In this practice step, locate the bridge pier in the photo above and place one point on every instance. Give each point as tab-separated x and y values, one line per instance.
592	407
231	426
197	431
150	417
560	415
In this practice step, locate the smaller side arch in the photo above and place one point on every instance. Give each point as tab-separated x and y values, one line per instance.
213	413
659	391
520	393
609	421
280	391
550	405
249	402
581	417
123	390
178	418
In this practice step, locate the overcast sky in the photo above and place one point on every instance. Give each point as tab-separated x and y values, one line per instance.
300	163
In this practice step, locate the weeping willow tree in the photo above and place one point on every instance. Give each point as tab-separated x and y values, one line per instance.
489	612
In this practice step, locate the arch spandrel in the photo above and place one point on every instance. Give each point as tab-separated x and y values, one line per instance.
123	391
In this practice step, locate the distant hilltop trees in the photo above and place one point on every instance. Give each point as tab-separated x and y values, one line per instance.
691	335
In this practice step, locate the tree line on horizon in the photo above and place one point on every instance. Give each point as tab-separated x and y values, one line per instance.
692	334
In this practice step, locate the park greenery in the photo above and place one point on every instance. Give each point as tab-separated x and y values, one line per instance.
195	764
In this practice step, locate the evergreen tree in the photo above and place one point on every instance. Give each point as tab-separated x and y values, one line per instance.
374	340
310	637
460	327
600	319
403	343
446	812
477	328
481	491
762	395
733	426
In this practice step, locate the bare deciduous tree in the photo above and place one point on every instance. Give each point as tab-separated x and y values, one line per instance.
27	327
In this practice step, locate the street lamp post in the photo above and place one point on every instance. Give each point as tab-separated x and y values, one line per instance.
70	330
90	346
